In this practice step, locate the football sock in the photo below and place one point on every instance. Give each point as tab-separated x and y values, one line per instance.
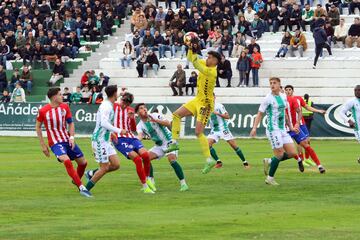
81	169
213	154
284	157
140	169
90	184
178	170
273	166
301	155
204	145
313	155
297	158
151	171
307	156
240	154
147	165
175	128
72	173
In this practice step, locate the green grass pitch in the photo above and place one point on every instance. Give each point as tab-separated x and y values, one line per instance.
37	200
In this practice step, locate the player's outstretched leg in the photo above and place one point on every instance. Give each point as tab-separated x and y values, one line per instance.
81	166
238	152
213	153
314	157
141	173
178	171
147	167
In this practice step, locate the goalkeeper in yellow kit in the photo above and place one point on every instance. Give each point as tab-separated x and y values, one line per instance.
202	105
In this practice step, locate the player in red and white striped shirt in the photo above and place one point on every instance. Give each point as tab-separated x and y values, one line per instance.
56	117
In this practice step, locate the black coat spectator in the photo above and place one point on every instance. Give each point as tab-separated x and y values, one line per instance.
224	71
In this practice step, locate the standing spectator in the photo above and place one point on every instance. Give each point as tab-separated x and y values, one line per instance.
18	95
140	63
66	95
298	43
320	38
353	34
224	71
128	54
85	79
4	53
5	97
256	60
272	18
26	79
285	43
178	44
3	79
307	18
340	32
14	79
104	80
151	62
334	15
295	17
58	72
243	66
137	43
240	44
39	55
94	79
76	96
192	83
178	80
27	54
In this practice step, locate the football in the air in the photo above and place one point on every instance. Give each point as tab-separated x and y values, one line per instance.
189	37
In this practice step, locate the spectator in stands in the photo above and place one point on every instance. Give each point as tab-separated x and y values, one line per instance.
256	27
240	44
329	33
336	3
321	39
340	32
63	52
14	79
252	45
158	41
249	14
284	18
76	96
148	40
57	26
160	19
52	52
128	55
354	34
178	44
31	39
10	40
214	39
226	43
94	79
27	54
4	53
3	79
243	66
272	18
89	29
166	46
183	12
307	17
243	25
176	23
224	71
297	43
262	16
58	72
104	80
79	26
295	17
258	4
141	24
39	55
137	43
26	79
5	97
319	12
353	5
151	62
178	80
285	43
168	18
334	15
192	83
74	44
140	62
256	60
96	96
85	94
18	95
66	95
85	79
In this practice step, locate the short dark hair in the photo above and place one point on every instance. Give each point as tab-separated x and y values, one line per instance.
128	98
110	90
66	88
289	86
138	106
215	54
53	91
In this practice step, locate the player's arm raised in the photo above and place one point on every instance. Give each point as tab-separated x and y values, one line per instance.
198	63
256	124
44	148
315	110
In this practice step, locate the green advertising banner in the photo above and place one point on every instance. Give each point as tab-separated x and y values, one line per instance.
16	118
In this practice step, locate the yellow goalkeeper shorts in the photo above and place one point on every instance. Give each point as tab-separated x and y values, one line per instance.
201	109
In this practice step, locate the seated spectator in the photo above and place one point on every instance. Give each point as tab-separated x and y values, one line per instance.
340	32
94	79
262	16
249	14
178	44
284	18
27	54
5	97
243	25
329	33
20	43
141	25
285	43
167	43
96	96
217	16
18	95
307	17
258	4
295	17
353	34
158	41
76	96
272	18
192	83
353	5
256	27
14	79
140	63
74	44
176	23
66	95
224	71
104	80
4	53
243	66
85	79
39	55
3	79
148	40
57	26
178	80
226	43
298	43
336	3
58	72
85	94
128	55
168	18
89	30
334	15
52	52
319	12
26	79
63	52
151	62
214	39
160	19
240	44
137	43
256	60
135	17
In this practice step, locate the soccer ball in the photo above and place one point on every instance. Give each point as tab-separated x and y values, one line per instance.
189	37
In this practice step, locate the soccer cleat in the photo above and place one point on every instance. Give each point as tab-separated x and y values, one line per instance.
322	170
89	174
85	193
208	166
148	190
266	166
271	182
246	164
173	146
218	164
301	166
184	187
151	185
310	162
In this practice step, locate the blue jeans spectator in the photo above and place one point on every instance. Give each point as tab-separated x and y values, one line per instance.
163	49
255	75
74	52
282	51
274	24
126	59
155	67
79	32
181	48
137	50
228	48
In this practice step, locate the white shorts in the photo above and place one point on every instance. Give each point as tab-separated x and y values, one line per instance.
357	135
160	151
224	135
102	151
278	138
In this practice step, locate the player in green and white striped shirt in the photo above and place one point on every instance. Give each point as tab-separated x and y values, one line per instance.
274	106
156	127
220	130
